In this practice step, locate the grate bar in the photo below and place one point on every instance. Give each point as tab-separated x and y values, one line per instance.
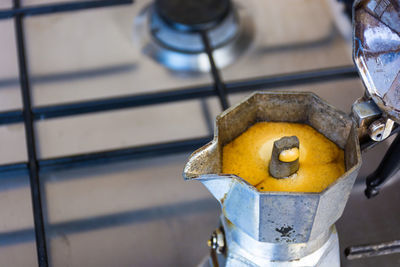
299	78
372	250
12	116
33	167
218	84
144	151
130	101
59	7
13	167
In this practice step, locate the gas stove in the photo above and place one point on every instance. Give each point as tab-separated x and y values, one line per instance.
121	92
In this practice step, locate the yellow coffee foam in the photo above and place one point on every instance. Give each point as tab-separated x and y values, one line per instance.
321	161
289	155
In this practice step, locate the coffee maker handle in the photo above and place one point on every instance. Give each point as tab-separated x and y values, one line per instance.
389	166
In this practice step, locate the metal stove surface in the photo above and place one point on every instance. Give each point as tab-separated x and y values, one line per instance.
141	213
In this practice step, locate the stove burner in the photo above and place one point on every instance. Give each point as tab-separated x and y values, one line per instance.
192	15
169	32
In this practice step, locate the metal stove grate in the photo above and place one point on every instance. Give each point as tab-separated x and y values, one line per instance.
30	114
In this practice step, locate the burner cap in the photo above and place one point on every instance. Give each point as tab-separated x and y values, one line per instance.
192	15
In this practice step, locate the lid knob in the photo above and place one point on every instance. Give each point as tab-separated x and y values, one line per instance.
285	157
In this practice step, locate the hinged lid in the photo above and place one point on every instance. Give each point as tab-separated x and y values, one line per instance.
376	51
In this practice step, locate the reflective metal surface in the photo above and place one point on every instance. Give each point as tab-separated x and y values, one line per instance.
184	51
377	51
364	112
275	220
243	251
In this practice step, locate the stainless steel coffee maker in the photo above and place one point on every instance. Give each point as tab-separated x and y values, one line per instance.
297	229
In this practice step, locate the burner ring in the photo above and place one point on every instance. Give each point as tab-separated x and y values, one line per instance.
192	15
189	41
184	51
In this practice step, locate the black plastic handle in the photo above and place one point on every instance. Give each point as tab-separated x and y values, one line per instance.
389	166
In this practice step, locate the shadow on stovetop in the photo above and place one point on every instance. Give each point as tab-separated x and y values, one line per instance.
111	220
